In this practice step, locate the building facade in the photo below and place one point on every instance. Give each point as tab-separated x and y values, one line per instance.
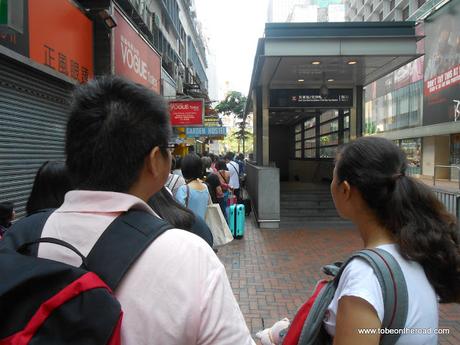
417	105
303	11
49	46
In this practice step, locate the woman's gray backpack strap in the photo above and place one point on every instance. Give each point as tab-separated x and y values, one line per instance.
394	291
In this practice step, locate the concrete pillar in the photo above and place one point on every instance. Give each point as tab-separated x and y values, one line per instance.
254	122
436	151
356	113
265	126
259	125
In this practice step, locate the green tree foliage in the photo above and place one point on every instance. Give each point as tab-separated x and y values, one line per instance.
234	104
232	142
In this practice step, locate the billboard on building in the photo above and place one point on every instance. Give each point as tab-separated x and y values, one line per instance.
442	66
186	113
61	37
134	58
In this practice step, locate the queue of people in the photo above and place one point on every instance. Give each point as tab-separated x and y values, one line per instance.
177	291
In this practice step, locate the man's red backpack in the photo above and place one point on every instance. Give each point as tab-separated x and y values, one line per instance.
48	302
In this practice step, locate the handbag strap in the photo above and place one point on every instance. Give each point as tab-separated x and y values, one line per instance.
187	195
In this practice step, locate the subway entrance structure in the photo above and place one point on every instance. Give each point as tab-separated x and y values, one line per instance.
306	96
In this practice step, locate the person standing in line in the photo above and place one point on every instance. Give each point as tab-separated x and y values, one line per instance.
234	171
177	291
164	204
177	167
206	165
402	216
7	215
224	178
52	182
194	195
174	181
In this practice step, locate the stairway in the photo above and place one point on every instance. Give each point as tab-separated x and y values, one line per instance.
308	204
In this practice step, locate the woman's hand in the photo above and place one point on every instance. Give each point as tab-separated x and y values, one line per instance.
355	313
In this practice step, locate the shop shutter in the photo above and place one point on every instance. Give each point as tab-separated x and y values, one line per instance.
33	115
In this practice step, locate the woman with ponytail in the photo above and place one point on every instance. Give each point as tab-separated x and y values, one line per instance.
401	215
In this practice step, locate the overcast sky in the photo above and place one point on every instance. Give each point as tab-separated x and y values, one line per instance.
233	28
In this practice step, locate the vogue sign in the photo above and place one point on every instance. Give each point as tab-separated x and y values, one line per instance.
186	113
135	59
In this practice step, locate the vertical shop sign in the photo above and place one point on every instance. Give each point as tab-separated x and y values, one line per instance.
442	66
134	58
61	37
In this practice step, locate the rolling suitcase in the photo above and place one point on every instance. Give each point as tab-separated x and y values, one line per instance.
236	220
240	216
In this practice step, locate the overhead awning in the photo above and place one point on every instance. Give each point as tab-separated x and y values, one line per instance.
307	55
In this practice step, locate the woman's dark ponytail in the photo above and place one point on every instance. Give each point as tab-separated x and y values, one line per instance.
424	230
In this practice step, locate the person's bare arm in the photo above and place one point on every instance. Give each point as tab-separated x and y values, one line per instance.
355	313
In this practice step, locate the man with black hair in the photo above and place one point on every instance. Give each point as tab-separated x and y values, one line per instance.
177	292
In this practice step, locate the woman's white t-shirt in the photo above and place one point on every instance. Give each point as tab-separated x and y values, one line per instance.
358	279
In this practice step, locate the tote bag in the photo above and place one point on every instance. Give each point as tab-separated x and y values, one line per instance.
219	228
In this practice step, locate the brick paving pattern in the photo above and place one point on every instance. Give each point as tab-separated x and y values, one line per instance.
272	272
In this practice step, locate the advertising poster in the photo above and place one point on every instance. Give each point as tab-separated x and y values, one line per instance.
134	58
61	37
187	113
442	66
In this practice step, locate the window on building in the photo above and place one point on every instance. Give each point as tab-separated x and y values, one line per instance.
321	134
413	150
381	16
298	141
405	13
392	4
420	3
455	149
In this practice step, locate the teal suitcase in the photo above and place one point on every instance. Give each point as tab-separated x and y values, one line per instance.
236	217
239	220
231	213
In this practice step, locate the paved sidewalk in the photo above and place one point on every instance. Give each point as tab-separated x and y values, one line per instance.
272	272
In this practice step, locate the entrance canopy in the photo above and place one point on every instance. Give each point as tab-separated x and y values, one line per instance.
338	55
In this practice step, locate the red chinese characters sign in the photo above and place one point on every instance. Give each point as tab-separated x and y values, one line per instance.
186	113
61	37
134	58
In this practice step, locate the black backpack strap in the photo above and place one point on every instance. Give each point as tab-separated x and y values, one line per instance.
122	243
26	230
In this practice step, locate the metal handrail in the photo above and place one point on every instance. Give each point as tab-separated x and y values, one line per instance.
446	166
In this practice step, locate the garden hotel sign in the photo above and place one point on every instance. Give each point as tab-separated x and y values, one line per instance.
205	132
134	58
